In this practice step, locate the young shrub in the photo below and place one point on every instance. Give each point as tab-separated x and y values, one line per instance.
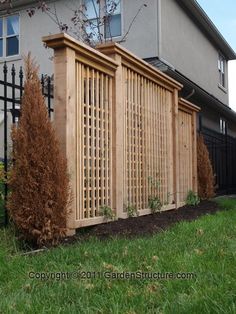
132	211
39	180
107	212
192	198
206	178
154	203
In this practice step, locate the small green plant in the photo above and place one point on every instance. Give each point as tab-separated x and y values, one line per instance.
107	212
192	198
132	211
154	204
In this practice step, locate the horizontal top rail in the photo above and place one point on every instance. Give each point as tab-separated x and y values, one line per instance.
137	64
84	53
185	104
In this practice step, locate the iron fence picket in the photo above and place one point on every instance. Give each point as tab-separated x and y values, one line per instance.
222	151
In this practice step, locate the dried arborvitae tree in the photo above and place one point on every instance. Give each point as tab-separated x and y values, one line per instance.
206	179
39	180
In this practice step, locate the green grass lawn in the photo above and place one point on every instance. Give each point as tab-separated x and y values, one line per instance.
206	247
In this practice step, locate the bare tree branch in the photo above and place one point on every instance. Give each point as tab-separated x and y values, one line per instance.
133	20
97	18
83	28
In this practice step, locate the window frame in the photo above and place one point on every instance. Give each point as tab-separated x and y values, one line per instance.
5	36
104	27
95	18
101	15
222	70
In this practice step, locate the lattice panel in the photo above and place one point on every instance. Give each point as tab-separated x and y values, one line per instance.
148	142
185	154
94	110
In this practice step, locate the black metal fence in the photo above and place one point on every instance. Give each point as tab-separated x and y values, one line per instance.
11	91
222	151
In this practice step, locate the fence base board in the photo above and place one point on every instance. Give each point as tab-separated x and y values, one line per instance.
147	211
90	221
181	204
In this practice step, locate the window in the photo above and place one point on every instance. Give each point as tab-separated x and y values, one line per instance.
9	36
105	15
223	126
92	13
113	22
221	68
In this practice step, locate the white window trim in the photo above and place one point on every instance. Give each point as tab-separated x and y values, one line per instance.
12	57
224	89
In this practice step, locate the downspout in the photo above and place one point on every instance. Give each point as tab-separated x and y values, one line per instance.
199	115
190	94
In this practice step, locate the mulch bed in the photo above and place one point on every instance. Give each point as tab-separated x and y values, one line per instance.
144	225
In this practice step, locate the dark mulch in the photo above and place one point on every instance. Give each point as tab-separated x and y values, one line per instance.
142	225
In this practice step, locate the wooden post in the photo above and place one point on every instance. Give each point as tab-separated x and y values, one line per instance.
65	118
176	147
118	139
190	110
194	139
117	130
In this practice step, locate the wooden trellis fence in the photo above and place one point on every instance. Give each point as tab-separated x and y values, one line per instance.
187	148
125	133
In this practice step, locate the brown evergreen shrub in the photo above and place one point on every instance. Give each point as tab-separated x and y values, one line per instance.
39	180
206	179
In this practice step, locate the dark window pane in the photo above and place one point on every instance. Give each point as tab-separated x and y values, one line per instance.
13	25
113	26
1	30
13	46
1	48
223	79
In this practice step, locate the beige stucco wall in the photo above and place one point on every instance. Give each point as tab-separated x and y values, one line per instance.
141	39
33	29
177	40
185	46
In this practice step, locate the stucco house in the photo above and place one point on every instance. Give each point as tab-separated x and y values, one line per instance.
176	36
